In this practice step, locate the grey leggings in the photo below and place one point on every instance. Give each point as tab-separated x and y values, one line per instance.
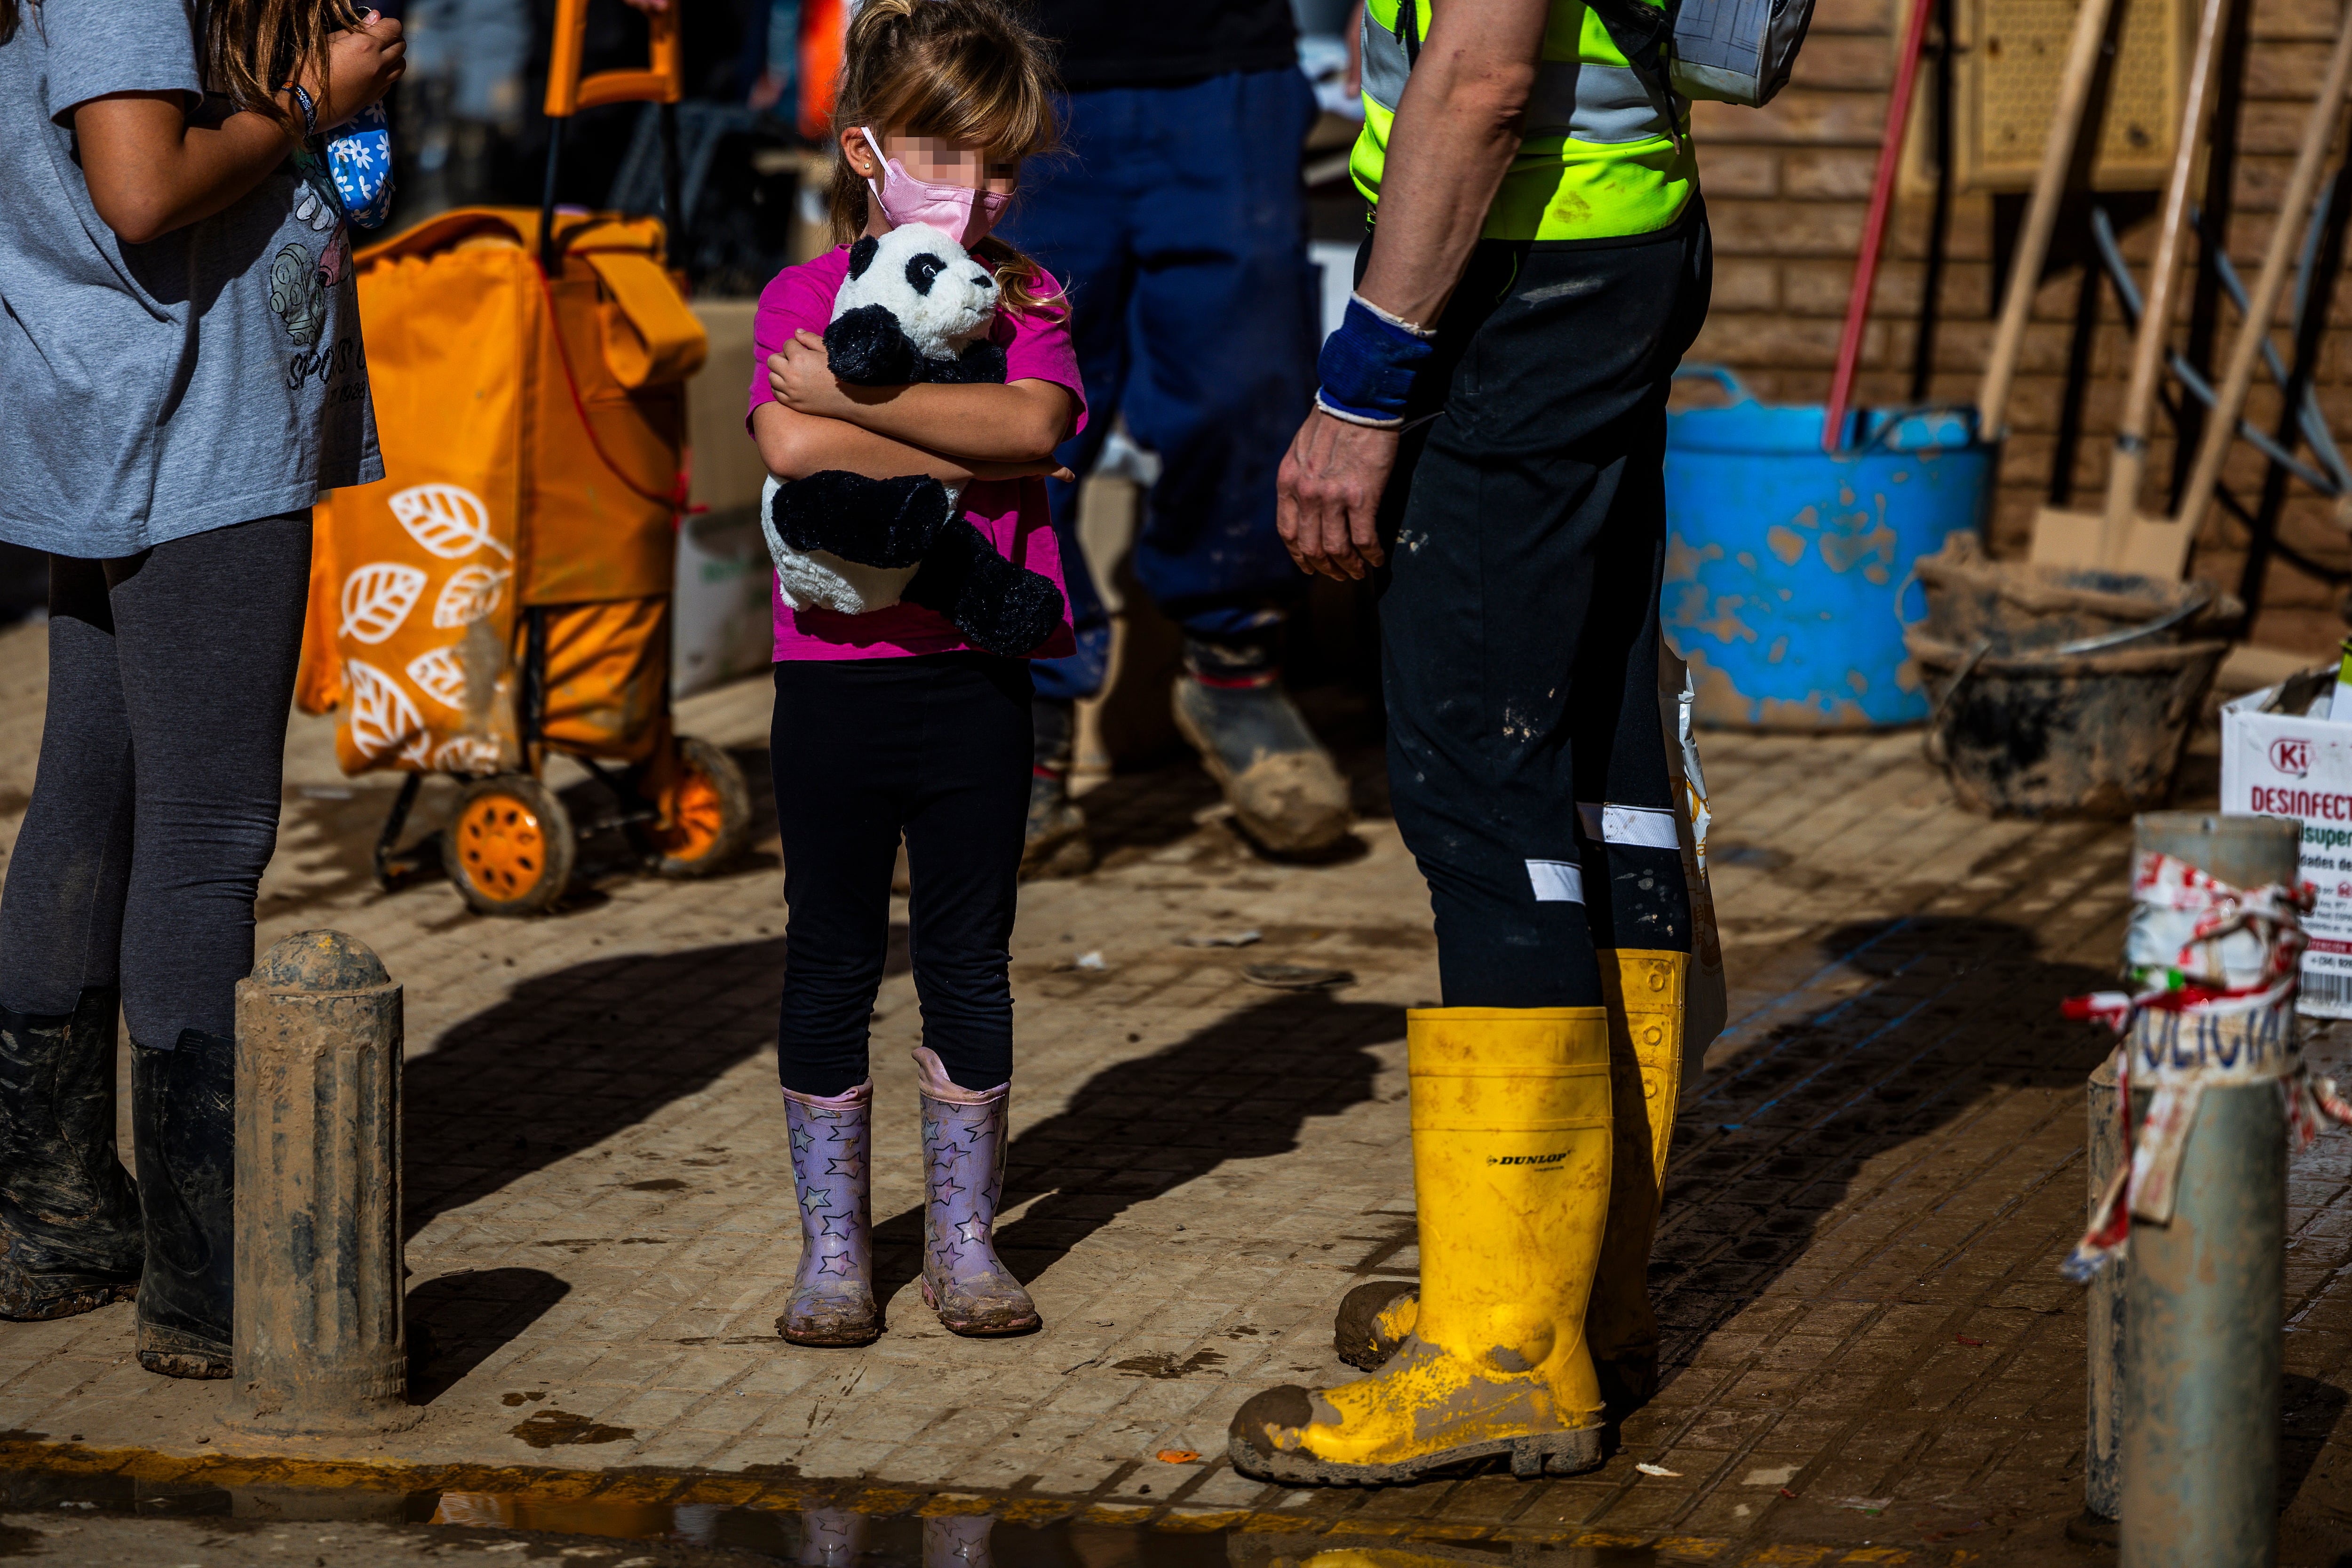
157	803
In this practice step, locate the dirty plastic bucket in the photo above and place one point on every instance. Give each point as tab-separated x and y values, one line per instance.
2053	734
1789	575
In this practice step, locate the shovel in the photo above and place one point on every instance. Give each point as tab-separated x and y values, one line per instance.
2077	74
2161	549
2119	539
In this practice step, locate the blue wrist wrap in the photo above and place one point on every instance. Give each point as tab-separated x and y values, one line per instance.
1367	365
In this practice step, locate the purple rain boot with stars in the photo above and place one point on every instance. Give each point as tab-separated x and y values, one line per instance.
963	1175
833	1293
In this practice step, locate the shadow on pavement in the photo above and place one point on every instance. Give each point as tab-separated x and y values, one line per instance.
1238	1089
460	1321
2309	1411
572	1057
1772	1143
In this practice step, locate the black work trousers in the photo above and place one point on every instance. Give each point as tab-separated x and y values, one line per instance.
1526	532
936	748
163	755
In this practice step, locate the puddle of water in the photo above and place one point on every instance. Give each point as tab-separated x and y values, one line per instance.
807	1538
553	1428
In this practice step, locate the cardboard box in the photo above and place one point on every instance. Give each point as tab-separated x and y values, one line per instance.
2288	764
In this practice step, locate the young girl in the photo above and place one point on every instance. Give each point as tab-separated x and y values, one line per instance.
889	724
180	378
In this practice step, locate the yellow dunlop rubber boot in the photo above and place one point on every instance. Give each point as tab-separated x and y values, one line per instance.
1643	989
1510	1173
1644	992
1395	1557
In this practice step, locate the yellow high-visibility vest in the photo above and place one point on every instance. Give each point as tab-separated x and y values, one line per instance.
1600	158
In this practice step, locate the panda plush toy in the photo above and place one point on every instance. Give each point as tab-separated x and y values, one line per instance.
915	308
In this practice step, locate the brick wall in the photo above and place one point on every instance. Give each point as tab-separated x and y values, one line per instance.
1787	187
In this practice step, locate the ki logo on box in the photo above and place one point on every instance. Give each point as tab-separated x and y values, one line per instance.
2291	756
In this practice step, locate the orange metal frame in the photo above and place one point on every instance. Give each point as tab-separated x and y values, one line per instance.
662	80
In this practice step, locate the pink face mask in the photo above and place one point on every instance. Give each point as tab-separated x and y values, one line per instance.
956	210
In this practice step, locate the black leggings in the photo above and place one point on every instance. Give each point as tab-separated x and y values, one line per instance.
155	808
936	747
1520	615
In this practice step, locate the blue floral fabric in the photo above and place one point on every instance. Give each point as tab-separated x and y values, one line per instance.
358	157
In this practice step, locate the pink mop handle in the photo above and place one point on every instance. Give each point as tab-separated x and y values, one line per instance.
1874	231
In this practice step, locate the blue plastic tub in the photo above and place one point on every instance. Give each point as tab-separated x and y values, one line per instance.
1788	569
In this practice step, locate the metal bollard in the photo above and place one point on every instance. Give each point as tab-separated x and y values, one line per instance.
318	1337
2102	1311
2206	1295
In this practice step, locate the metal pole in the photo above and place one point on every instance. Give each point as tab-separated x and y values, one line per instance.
2206	1296
317	1336
2102	1318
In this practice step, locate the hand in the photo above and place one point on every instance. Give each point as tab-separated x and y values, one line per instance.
803	380
362	65
1328	496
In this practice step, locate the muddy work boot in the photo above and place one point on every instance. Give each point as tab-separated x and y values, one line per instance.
1374	1321
1231	708
1510	1164
184	1117
70	1231
964	1135
833	1293
1644	994
1055	843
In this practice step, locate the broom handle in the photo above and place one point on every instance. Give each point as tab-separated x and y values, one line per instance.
2129	463
1873	229
2080	69
2294	211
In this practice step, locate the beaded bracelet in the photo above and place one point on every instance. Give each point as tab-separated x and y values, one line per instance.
307	104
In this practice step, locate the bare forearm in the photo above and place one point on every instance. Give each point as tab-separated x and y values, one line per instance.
1019	423
154	166
151	170
795	446
1457	128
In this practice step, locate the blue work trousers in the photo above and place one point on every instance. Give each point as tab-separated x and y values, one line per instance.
1177	221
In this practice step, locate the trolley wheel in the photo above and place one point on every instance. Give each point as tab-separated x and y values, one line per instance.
711	820
509	846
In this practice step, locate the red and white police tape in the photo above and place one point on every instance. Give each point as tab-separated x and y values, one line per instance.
2218	968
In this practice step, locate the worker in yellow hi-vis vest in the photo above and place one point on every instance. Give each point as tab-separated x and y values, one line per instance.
1487	443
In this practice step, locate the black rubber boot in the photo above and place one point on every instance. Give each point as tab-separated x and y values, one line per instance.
70	1231
1231	708
183	1111
1055	843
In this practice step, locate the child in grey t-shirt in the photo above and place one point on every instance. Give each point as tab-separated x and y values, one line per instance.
181	376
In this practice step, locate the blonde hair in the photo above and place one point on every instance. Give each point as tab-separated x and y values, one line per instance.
964	70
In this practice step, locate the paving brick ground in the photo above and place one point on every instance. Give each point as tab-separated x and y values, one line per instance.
1870	1355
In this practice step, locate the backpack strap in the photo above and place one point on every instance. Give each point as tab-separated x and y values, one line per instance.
1644	34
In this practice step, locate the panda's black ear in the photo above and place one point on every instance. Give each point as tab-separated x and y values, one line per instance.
866	347
861	255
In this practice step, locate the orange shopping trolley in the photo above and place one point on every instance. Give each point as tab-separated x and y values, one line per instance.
504	592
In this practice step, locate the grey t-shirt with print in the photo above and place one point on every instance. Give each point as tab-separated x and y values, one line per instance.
150	391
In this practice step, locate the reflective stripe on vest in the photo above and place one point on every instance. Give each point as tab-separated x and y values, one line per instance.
1580	99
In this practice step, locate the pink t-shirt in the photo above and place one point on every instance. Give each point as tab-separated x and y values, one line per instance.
1010	512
